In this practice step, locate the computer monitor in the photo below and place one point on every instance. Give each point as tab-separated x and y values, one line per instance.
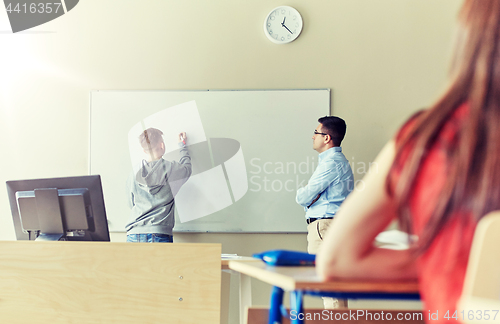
70	209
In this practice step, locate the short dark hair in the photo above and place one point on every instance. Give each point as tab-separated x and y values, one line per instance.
335	127
151	138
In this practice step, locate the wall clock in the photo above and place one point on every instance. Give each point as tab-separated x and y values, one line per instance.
283	25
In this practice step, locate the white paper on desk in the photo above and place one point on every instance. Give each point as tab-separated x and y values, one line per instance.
230	256
394	239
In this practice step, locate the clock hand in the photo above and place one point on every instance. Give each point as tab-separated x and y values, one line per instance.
283	25
287	28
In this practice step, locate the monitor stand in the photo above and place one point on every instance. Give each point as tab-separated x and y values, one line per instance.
49	237
49	215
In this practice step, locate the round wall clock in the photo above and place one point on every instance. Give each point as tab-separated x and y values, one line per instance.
283	25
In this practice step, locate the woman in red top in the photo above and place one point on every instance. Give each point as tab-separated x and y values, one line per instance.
438	177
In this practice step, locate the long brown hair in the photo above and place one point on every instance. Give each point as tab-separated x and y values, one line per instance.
473	182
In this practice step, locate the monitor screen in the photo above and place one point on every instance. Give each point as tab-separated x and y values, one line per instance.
69	208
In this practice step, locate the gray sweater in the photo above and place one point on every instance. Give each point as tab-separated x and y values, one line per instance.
152	191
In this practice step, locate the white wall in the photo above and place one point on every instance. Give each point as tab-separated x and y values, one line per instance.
383	59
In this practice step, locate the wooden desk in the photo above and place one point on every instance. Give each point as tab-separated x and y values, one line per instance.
303	280
225	261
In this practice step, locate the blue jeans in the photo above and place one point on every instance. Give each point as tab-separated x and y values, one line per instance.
150	238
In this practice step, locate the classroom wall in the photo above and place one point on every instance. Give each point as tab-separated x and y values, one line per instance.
383	59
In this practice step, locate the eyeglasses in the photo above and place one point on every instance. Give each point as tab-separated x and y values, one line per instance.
317	133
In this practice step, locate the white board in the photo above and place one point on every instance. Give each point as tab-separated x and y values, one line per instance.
250	151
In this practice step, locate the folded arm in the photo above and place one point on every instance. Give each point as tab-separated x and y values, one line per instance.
322	177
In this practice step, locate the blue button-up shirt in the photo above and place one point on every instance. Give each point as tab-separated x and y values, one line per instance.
332	179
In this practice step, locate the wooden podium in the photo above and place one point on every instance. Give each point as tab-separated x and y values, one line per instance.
103	282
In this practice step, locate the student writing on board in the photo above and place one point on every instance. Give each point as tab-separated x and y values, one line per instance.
152	189
438	177
329	185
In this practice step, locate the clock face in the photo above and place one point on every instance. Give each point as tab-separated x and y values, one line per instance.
283	25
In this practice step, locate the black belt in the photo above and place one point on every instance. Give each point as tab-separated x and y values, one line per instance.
311	220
